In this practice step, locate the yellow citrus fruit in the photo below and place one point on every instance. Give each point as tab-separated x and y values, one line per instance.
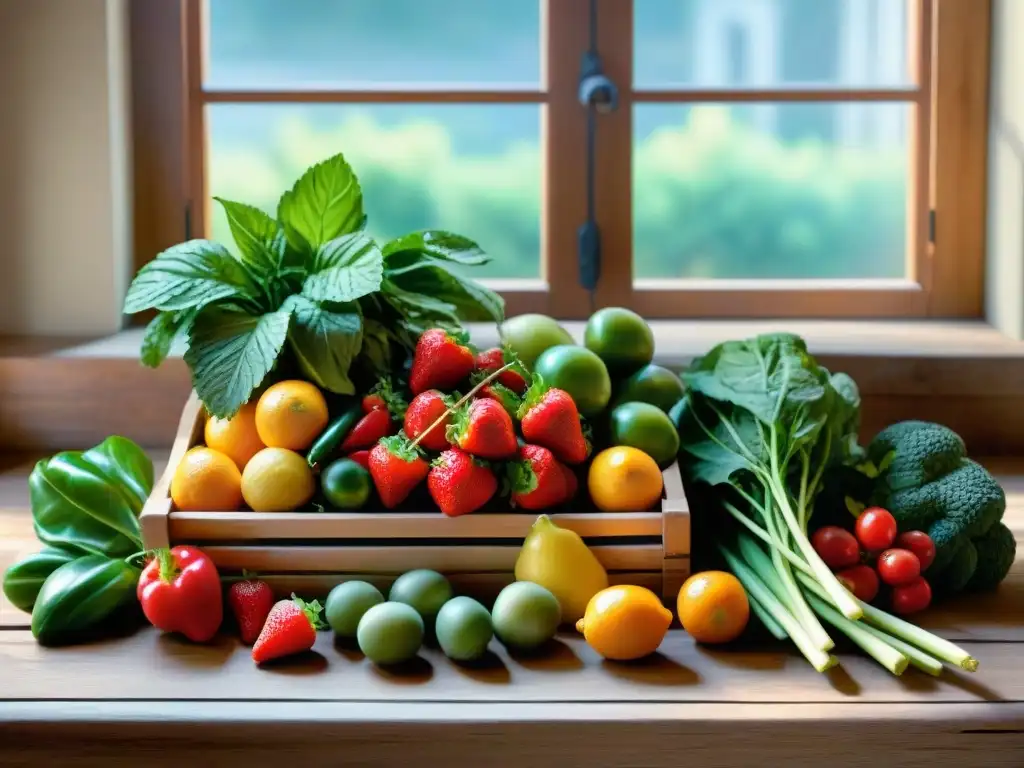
277	480
624	479
625	622
206	480
291	414
236	437
713	607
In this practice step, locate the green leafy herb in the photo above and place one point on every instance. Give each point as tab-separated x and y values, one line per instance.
325	203
325	341
161	333
345	268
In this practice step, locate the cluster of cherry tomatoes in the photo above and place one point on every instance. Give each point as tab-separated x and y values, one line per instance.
878	554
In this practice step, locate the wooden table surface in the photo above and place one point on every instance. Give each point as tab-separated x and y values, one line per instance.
156	700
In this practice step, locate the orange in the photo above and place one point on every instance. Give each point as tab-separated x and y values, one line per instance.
235	437
625	622
713	607
624	479
277	480
291	414
206	481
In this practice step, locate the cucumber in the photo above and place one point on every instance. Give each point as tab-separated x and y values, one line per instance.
323	449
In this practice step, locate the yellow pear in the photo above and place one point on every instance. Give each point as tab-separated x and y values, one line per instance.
557	559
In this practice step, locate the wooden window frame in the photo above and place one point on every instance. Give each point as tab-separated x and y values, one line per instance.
946	244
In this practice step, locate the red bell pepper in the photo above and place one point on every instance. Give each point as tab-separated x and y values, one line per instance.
180	591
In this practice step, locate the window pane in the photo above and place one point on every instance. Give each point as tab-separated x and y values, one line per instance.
296	44
471	169
770	191
771	43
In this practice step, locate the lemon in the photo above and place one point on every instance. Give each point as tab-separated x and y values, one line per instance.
625	622
624	479
277	480
206	481
236	437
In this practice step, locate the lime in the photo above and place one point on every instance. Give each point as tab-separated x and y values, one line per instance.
579	372
525	615
651	384
463	629
347	603
424	590
531	334
346	484
647	428
390	633
621	338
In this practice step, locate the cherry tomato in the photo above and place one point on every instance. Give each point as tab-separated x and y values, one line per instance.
912	597
876	528
861	580
836	546
921	544
898	566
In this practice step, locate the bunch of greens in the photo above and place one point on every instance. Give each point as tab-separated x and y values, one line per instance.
85	510
761	424
310	285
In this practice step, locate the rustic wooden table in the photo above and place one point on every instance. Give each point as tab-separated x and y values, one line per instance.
156	700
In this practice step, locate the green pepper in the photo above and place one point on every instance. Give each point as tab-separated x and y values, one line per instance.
24	579
333	436
81	594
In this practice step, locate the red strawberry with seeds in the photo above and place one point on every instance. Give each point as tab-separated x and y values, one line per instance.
484	429
361	458
396	467
250	601
460	484
509	400
549	417
493	359
290	628
440	361
425	409
538	480
382	409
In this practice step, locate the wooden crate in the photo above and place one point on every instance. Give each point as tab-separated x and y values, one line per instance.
310	552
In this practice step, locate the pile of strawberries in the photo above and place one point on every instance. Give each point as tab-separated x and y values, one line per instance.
467	449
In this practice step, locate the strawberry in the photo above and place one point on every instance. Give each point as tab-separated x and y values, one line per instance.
549	417
538	480
460	484
250	601
290	628
396	467
426	408
361	457
484	429
383	409
495	390
440	361
493	359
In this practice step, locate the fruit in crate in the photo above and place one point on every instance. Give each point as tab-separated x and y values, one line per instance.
277	480
206	480
429	411
530	335
346	484
459	483
625	623
647	428
440	361
624	479
484	429
495	358
463	628
390	633
538	480
621	338
525	615
291	414
383	410
236	437
396	467
558	560
653	384
346	605
549	417
579	372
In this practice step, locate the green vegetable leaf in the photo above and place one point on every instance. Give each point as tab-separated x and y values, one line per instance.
260	240
231	352
325	342
345	269
160	334
126	466
189	275
440	245
421	312
472	301
376	349
324	204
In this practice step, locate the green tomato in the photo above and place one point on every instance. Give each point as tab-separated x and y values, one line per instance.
621	338
346	484
647	428
390	633
579	372
463	629
347	603
424	590
525	615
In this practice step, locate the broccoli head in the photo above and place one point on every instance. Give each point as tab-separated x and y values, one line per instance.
996	552
929	484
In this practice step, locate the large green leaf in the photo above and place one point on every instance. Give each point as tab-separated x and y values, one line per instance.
439	244
160	334
345	269
261	241
127	467
231	352
325	342
421	311
324	204
472	301
186	276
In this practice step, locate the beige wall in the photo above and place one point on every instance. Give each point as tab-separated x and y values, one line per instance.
1005	273
65	232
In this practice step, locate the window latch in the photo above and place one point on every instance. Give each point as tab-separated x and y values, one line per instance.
596	90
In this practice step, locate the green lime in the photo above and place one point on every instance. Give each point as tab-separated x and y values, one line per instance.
531	334
525	615
347	603
390	633
621	338
647	428
463	629
424	590
346	484
579	372
651	384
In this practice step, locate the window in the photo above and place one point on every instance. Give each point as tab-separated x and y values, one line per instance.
812	158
